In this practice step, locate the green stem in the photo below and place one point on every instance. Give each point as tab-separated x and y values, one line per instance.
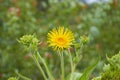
62	64
23	77
72	65
46	67
80	50
39	66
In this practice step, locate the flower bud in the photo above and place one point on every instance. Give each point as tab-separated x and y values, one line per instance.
84	39
29	41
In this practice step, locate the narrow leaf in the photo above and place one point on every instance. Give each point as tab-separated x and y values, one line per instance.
88	71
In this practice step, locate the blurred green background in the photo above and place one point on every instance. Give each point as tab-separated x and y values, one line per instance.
100	21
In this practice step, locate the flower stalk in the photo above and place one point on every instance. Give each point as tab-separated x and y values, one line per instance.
72	65
62	64
39	66
46	67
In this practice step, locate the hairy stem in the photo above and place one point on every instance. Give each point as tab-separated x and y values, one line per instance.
62	65
72	65
39	66
46	67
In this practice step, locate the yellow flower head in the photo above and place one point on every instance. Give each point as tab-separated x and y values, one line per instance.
60	38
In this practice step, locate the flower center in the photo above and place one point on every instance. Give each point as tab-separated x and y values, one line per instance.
61	41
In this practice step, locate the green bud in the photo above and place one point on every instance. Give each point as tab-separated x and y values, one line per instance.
84	39
29	41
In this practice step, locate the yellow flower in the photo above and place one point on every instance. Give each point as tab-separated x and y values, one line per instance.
60	38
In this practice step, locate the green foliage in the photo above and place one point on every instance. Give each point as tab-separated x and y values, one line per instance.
115	61
111	74
18	17
112	69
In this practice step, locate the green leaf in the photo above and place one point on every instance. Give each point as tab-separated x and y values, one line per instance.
88	71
